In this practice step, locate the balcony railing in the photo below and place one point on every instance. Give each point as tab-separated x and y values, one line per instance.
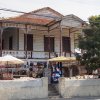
29	54
32	54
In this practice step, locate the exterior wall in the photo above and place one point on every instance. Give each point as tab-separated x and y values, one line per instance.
21	39
23	89
65	32
71	22
38	41
78	87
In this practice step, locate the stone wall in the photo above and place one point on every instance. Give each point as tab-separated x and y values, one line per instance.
78	87
23	89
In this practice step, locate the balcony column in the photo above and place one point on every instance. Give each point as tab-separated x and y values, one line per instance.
1	32
25	44
49	41
70	40
60	39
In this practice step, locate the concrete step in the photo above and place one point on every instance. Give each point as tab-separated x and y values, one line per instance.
52	91
53	94
55	97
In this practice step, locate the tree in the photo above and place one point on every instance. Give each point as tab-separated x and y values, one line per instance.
90	44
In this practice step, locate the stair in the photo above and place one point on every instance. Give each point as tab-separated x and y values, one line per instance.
53	93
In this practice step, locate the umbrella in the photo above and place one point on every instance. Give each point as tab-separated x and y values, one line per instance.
72	58
8	59
62	59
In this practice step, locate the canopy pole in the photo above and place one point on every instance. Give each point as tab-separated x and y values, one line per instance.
1	32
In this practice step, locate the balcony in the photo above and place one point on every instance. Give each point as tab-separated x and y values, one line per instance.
29	54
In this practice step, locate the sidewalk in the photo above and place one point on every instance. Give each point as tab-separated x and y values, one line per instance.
74	98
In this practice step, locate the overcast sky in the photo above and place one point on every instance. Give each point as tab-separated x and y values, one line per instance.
81	8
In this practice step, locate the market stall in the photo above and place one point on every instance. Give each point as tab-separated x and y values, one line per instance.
57	69
7	62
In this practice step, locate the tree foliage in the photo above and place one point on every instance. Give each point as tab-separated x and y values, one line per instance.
90	44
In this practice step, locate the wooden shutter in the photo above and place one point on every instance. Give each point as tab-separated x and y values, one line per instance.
28	41
66	44
46	44
3	44
52	44
10	43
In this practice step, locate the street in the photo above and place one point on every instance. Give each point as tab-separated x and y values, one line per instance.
74	98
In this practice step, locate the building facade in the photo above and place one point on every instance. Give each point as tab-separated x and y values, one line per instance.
39	35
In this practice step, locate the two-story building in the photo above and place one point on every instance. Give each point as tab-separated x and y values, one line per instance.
40	35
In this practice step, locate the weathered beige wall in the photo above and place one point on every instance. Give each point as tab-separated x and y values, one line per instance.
38	39
21	39
79	87
22	89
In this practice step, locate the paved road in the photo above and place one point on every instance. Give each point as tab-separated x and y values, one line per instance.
72	99
75	98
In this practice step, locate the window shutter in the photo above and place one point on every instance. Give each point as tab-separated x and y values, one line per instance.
46	44
66	44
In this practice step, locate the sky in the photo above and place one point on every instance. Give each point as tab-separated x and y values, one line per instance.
81	8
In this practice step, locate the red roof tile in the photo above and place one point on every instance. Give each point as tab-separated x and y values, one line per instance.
31	20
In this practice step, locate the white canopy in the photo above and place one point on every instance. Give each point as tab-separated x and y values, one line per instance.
8	59
62	59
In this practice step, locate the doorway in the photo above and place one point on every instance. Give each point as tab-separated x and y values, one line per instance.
28	42
10	43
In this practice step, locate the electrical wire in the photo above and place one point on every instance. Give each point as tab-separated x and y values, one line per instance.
10	10
55	18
